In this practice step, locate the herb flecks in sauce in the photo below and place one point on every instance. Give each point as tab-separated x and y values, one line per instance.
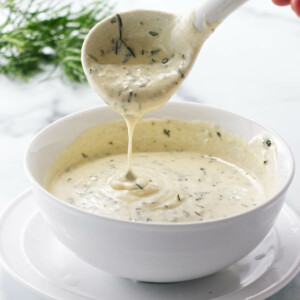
153	33
167	132
267	142
171	186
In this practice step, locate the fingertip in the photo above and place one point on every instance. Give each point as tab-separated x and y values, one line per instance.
296	6
281	2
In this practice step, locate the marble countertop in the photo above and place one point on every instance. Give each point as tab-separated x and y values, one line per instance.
250	65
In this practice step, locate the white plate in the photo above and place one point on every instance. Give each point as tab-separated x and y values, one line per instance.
34	257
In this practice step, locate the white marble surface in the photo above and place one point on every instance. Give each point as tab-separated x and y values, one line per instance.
250	65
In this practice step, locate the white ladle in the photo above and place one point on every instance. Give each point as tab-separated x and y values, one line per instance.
124	31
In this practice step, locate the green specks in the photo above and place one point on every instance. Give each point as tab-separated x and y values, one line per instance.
92	57
153	33
180	73
155	51
110	143
121	41
219	134
265	162
164	60
178	198
130	96
267	142
84	155
197	213
167	132
139	186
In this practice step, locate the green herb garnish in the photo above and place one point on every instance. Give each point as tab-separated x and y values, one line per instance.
267	142
140	187
38	33
180	73
219	134
121	40
153	52
167	132
178	197
153	33
84	155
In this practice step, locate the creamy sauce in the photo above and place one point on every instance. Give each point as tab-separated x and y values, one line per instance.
143	58
188	171
184	171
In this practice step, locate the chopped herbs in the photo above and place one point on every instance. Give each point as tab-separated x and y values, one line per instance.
165	60
122	41
120	25
178	197
153	52
84	155
140	187
267	142
92	57
219	134
131	94
167	132
180	73
153	33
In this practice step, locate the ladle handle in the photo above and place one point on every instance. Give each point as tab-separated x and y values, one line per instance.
214	11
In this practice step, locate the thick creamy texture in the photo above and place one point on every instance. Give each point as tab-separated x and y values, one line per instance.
137	60
187	171
183	171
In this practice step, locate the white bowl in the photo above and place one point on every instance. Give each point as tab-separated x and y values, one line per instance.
156	252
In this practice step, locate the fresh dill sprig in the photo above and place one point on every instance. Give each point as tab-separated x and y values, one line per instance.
38	33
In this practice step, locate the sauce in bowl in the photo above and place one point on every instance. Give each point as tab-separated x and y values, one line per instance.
188	171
